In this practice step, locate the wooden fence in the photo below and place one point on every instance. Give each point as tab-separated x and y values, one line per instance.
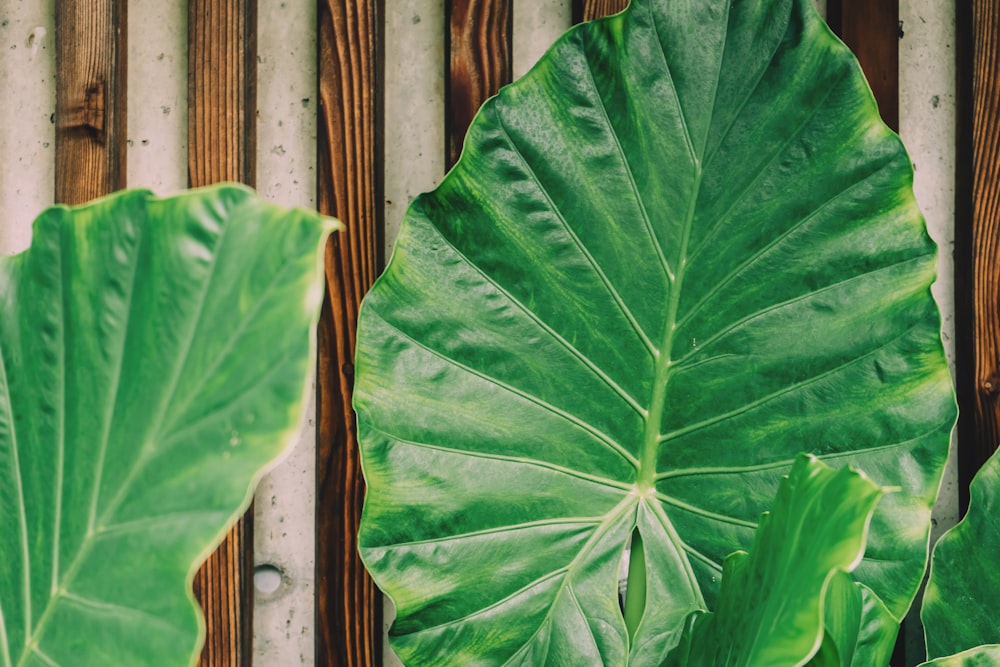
338	125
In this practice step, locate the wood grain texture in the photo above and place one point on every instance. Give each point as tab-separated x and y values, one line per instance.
977	237
222	53
478	44
90	99
348	606
588	10
871	29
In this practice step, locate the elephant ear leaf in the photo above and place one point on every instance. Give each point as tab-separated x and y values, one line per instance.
155	355
962	601
771	604
678	252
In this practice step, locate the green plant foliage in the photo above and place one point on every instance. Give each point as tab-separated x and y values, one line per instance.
677	253
154	357
961	604
770	606
981	656
858	625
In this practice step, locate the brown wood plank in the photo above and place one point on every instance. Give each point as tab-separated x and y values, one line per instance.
588	10
871	29
977	237
348	606
478	42
222	52
90	99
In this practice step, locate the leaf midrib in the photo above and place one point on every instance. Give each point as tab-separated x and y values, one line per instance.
33	638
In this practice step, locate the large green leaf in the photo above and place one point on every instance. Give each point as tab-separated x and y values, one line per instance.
961	604
678	252
771	602
154	356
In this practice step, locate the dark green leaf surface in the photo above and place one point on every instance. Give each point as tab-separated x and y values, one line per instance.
771	603
154	357
680	251
961	605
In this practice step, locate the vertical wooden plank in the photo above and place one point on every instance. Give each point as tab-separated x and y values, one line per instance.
478	63
871	29
588	10
977	237
349	187
221	147
90	99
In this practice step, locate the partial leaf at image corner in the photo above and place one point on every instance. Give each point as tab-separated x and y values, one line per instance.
155	356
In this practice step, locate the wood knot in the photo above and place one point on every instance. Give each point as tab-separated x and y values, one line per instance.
991	385
88	111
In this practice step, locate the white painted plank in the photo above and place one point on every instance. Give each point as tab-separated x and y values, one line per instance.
285	505
156	154
27	130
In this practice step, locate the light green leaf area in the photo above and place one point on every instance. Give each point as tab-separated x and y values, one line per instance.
154	357
981	656
961	604
681	250
771	605
858	624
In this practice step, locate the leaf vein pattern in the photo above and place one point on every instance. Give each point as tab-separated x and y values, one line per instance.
722	333
605	280
630	173
605	524
715	516
535	400
60	437
149	523
718	78
221	411
787	463
158	416
500	530
668	527
759	174
44	657
117	609
113	393
753	257
673	88
21	509
521	460
244	323
742	105
795	386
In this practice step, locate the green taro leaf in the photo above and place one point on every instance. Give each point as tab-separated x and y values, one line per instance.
771	602
155	355
681	250
961	605
858	624
981	656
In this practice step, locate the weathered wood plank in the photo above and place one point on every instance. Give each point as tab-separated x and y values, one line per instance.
90	99
348	606
871	29
478	42
221	147
977	237
587	10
